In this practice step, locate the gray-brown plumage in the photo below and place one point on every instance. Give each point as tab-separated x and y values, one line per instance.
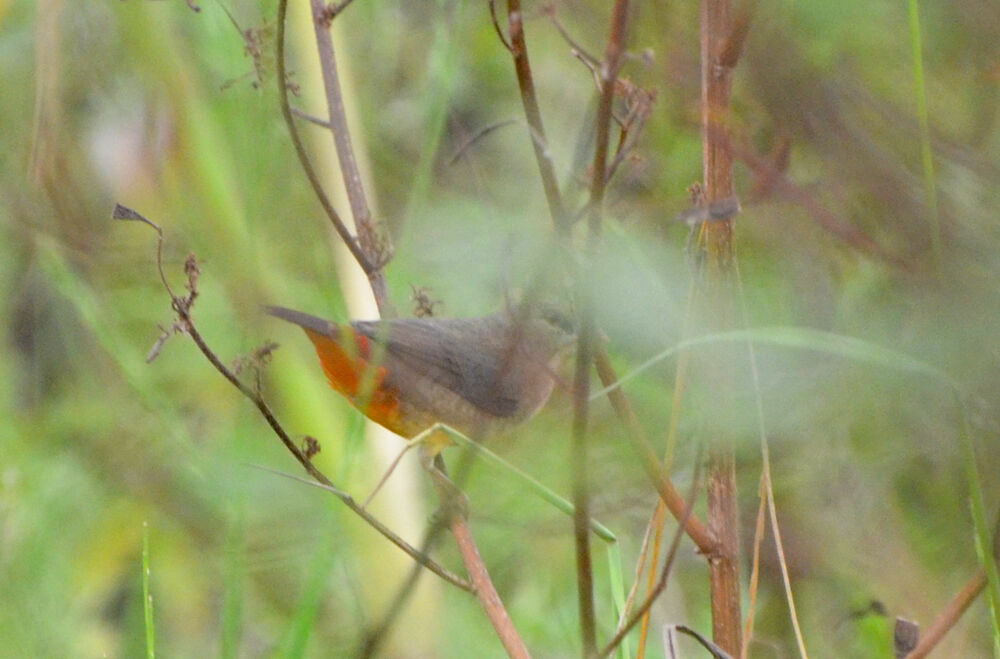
474	374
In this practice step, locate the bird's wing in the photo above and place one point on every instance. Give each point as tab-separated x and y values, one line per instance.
458	354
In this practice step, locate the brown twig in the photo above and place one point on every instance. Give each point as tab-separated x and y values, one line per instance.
587	335
301	114
581	486
182	307
525	82
332	10
475	137
720	257
496	26
950	615
578	50
485	590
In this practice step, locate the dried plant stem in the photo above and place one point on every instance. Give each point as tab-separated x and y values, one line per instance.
758	538
951	614
486	592
719	249
674	501
658	518
587	339
519	50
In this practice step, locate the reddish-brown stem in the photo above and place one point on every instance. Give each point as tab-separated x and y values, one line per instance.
720	308
581	486
949	616
486	592
587	336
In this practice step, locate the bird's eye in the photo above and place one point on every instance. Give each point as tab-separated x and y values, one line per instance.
560	320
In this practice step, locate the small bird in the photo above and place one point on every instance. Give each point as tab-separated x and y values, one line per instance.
477	375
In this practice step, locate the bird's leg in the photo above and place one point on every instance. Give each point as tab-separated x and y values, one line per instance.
418	440
453	500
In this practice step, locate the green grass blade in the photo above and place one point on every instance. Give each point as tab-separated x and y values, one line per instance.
617	580
984	538
533	484
147	598
803	338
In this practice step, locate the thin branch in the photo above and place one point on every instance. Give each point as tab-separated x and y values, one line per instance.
338	125
715	650
478	135
334	9
483	587
301	114
370	251
720	258
525	82
300	149
496	26
182	307
951	614
578	51
486	591
581	486
587	337
758	538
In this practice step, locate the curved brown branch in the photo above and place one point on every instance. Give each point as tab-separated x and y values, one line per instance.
483	586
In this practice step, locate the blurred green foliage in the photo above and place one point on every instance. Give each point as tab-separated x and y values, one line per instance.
160	108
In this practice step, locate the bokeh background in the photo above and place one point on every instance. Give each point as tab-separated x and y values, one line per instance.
174	113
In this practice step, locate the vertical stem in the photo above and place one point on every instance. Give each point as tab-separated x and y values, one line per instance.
587	343
368	238
533	115
720	306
